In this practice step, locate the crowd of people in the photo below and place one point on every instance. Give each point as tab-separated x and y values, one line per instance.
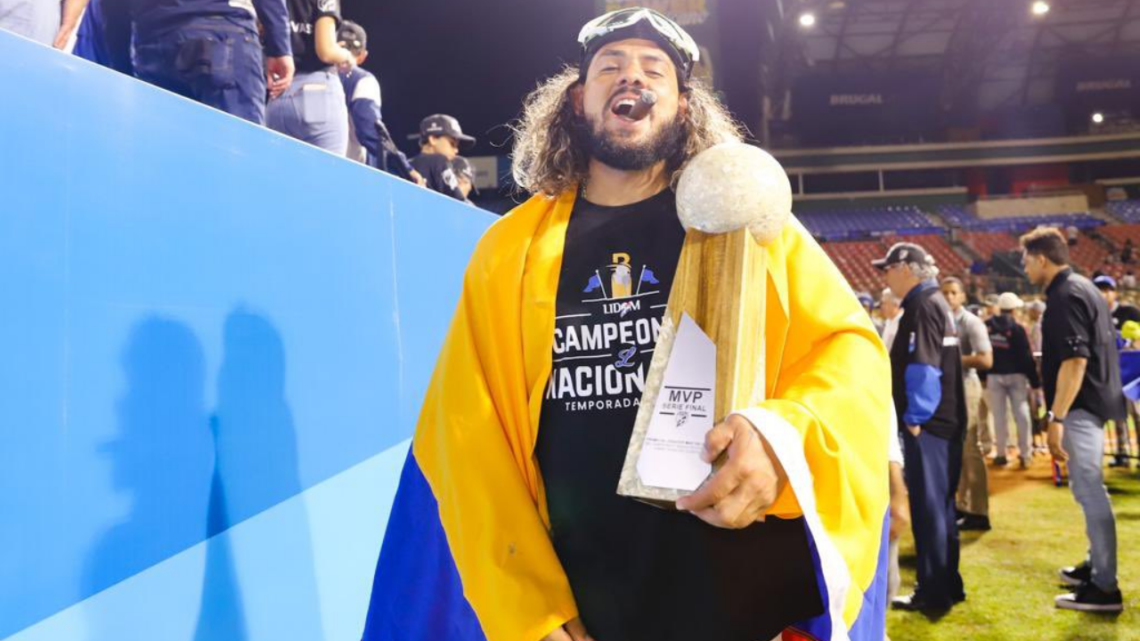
291	65
964	376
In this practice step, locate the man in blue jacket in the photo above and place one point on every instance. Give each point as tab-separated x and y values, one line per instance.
930	402
205	50
368	139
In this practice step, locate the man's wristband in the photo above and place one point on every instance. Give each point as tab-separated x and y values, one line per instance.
1050	417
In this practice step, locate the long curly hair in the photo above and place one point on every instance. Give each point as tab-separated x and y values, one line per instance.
547	159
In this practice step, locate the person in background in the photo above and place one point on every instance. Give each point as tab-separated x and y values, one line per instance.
900	511
900	500
89	41
1121	314
368	139
465	173
990	307
1010	379
1035	310
974	344
1128	281
868	303
440	137
926	367
1081	376
49	22
208	51
313	109
1126	252
890	308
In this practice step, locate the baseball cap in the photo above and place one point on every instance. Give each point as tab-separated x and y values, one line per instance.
462	167
443	125
991	299
353	36
1104	281
903	253
1009	301
865	299
1037	305
640	22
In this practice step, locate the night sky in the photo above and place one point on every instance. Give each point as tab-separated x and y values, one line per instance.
473	59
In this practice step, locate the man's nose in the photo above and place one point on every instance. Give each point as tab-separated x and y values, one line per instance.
632	75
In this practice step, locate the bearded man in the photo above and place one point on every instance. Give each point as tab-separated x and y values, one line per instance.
507	525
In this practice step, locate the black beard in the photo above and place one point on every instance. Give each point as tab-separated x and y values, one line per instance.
666	144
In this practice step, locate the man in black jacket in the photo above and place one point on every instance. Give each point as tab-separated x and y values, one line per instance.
1010	379
930	402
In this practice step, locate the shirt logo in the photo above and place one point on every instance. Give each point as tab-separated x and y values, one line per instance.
620	285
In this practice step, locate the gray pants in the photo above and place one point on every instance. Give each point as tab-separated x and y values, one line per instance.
973	488
1084	441
312	109
1014	389
34	19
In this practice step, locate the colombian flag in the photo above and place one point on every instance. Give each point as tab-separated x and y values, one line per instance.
467	555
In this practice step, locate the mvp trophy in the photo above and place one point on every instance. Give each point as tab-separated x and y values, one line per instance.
733	200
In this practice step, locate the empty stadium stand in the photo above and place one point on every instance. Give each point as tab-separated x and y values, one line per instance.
1126	210
851	224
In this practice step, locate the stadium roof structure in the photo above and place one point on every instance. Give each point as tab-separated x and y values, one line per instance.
990	54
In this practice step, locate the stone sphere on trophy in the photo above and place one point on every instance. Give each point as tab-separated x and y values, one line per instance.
732	186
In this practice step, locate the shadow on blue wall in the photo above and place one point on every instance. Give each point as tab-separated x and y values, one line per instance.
257	467
191	474
162	457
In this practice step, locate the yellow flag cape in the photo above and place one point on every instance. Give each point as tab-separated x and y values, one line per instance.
828	381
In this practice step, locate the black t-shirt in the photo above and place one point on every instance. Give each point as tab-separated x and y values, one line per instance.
438	173
641	573
927	335
1077	325
303	15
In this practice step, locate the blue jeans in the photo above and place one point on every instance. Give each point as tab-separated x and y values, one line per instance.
313	110
1084	441
213	60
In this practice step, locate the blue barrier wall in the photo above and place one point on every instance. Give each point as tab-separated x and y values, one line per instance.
213	344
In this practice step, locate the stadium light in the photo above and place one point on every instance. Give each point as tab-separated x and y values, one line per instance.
807	20
1097	118
1040	8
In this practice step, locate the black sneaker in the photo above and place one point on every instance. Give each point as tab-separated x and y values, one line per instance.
975	522
1089	598
1000	461
1119	461
1077	575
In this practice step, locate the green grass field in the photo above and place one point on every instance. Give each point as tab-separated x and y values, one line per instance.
1011	571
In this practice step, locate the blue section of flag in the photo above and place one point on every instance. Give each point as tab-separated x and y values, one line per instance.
417	594
647	276
871	623
594	283
817	627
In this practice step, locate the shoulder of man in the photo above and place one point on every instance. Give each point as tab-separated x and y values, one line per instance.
366	86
